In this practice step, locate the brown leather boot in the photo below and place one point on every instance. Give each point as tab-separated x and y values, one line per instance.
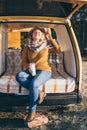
30	116
41	97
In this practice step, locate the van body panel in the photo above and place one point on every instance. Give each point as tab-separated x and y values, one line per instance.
78	58
3	47
66	45
13	102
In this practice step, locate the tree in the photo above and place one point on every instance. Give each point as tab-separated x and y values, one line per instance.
79	23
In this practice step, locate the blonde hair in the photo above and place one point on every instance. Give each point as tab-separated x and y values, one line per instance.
30	38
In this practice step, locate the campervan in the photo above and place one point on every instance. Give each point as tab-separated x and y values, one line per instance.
15	23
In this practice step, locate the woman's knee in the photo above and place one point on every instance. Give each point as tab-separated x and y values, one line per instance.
19	77
22	80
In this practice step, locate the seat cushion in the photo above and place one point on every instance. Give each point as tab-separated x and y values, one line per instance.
60	82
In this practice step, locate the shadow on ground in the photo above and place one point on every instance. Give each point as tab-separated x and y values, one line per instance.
73	117
12	123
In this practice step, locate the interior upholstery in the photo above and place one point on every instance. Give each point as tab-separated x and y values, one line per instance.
61	82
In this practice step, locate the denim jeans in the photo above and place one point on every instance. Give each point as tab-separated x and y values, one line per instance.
32	83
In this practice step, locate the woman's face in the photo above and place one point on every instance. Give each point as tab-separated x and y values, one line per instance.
37	35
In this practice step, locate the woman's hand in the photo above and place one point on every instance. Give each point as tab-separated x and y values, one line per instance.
48	37
30	70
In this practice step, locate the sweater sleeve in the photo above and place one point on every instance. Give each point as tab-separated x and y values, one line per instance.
56	47
25	61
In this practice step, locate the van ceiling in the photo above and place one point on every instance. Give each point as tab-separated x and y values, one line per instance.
25	26
32	8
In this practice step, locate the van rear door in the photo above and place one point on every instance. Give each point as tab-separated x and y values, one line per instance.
23	9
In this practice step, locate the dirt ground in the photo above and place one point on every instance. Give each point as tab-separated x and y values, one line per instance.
72	117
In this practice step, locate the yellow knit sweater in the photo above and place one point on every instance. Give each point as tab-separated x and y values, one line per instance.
39	58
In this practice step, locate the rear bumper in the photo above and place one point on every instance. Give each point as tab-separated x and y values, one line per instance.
12	102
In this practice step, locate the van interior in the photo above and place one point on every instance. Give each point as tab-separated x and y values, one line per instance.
64	67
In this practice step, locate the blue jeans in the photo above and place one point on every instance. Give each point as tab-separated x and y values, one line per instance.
32	83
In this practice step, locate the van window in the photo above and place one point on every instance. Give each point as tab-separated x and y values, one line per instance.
53	33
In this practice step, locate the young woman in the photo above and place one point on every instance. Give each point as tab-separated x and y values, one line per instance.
36	51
